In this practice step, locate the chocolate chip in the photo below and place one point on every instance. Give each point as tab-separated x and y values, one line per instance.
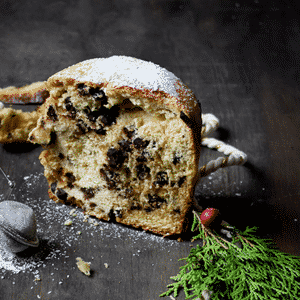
116	158
111	184
155	201
70	108
88	192
140	143
141	159
60	171
52	138
70	185
92	115
92	205
112	174
173	183
135	206
70	176
176	159
181	181
94	91
104	120
129	133
127	172
51	113
87	110
109	176
45	94
118	213
142	171
162	178
62	194
61	156
83	90
100	131
67	100
128	192
125	145
83	127
148	208
110	116
99	95
53	187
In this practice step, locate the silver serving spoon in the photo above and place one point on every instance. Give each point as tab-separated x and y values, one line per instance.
17	224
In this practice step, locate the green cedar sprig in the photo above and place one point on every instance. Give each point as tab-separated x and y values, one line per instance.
256	270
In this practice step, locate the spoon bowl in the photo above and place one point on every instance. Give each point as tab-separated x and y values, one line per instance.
17	226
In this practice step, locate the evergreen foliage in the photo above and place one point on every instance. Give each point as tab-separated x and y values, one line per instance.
256	270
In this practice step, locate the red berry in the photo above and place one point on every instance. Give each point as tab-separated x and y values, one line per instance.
210	217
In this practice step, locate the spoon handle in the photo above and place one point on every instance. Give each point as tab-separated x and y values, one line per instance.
10	183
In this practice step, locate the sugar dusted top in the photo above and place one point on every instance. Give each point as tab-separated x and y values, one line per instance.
123	71
149	79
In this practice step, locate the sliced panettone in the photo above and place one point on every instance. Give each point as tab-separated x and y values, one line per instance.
122	139
15	125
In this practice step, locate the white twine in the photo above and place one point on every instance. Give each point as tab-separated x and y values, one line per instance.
235	156
209	124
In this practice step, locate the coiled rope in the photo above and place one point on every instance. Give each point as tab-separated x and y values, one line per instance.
234	156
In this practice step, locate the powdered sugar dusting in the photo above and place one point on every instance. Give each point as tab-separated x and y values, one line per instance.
124	71
56	239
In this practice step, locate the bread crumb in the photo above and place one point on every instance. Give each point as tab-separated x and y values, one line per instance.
83	266
73	211
179	240
37	278
106	265
68	222
78	232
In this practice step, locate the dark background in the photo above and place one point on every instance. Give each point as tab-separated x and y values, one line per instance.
241	58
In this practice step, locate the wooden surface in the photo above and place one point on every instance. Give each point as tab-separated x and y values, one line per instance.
241	60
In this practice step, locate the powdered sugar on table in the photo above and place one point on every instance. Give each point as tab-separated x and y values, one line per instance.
56	239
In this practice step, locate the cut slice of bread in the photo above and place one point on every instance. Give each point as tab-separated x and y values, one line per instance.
122	139
15	125
32	93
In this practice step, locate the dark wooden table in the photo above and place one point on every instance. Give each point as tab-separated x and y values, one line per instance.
243	63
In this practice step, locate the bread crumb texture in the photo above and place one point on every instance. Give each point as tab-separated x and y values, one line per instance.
121	152
83	266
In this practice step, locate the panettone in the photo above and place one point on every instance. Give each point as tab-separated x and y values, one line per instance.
122	141
15	125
